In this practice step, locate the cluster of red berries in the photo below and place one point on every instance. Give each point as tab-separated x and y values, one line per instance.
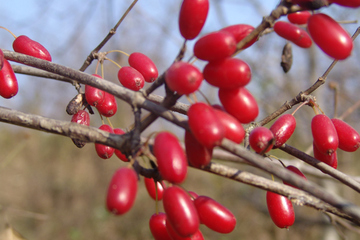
323	30
22	44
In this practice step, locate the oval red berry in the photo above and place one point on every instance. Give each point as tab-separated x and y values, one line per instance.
261	139
170	157
215	46
280	209
122	191
283	128
144	65
25	45
131	78
192	17
349	138
293	33
330	36
8	82
324	134
205	125
239	103
214	215
228	73
181	212
183	78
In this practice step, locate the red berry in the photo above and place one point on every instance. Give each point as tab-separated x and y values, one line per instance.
299	17
108	107
324	134
170	157
280	209
293	33
144	65
1	59
214	215
205	125
347	3
23	44
118	153
81	117
104	151
215	46
329	159
261	139
294	170
349	138
239	103
197	155
8	82
122	191
192	17
180	211
183	78
131	78
150	187
94	96
330	36
283	128
234	131
175	236
228	73
157	226
240	31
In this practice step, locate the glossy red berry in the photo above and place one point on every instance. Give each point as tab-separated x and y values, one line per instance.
214	215
144	65
183	78
170	157
294	170
131	78
197	155
157	226
94	96
330	36
175	236
280	209
215	46
81	117
329	159
1	59
349	138
122	191
104	151
180	211
299	17
240	104
117	152
324	134
108	107
293	33
228	73
234	131
283	128
261	139
240	31
25	45
347	3
150	187
205	125
8	82
192	17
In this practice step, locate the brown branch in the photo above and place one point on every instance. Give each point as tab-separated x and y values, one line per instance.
91	56
336	201
347	180
296	196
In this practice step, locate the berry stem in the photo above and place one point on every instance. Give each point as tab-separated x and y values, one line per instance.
9	31
119	66
119	51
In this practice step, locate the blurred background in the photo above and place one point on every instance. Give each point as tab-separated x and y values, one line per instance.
49	189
